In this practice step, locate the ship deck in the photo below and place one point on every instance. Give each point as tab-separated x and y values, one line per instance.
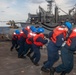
10	64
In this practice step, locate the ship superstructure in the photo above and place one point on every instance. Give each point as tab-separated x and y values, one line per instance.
48	16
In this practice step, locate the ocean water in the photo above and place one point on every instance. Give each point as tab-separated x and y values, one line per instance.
4	30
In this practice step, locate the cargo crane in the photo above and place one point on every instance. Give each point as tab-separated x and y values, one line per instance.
73	10
72	13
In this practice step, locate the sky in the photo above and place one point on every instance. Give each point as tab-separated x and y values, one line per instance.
18	9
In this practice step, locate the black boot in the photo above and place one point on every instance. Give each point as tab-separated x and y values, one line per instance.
44	69
28	54
36	64
11	49
52	71
63	73
17	49
44	62
22	56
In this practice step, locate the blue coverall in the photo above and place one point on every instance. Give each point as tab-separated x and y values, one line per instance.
52	49
36	56
21	42
27	48
67	57
22	45
14	42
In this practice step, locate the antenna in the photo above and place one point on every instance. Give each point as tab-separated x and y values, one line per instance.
50	6
49	1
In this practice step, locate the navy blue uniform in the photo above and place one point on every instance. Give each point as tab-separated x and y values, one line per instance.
56	37
52	49
21	43
28	48
14	42
67	57
36	56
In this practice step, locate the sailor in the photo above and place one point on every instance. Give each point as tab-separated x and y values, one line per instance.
67	55
15	39
57	37
29	41
38	41
22	41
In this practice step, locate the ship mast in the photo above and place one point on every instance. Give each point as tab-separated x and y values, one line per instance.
50	6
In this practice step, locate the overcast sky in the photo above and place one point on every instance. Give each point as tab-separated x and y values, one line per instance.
18	9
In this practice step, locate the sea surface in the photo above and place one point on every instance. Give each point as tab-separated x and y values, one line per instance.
4	30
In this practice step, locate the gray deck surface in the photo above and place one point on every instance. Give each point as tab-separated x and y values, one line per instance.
11	65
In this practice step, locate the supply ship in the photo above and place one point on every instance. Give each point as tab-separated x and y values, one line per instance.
46	19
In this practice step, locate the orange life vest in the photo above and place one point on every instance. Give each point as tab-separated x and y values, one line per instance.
72	35
35	38
22	34
14	35
28	28
30	35
56	32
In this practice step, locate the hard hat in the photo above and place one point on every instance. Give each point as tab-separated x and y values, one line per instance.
33	30
40	30
17	31
32	27
68	25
